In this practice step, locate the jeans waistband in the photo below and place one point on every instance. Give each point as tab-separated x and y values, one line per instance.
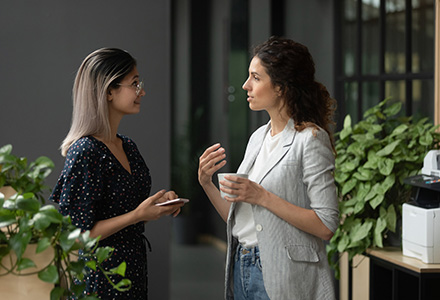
249	252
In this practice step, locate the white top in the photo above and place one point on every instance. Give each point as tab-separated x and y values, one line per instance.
244	226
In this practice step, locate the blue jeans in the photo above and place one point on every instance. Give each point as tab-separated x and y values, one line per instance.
248	276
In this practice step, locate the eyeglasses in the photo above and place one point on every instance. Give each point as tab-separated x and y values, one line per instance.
138	86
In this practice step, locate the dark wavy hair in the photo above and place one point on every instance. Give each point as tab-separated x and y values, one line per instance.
291	67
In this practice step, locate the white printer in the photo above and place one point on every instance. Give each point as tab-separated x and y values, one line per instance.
421	217
421	233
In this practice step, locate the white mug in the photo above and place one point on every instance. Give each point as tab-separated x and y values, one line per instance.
221	177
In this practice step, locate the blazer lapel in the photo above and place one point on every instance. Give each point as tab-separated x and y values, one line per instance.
252	151
288	135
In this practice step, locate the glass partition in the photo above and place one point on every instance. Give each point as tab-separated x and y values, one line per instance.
370	36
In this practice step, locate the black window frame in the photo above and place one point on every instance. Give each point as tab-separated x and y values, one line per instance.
341	79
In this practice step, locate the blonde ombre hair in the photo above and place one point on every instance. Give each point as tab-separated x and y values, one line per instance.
100	71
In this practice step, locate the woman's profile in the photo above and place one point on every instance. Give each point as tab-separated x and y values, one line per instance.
105	183
279	216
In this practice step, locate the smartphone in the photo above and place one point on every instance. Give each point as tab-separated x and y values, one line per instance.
173	201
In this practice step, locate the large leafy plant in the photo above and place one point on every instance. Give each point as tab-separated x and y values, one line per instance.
21	176
374	156
24	219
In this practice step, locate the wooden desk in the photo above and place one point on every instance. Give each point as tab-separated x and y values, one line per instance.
397	277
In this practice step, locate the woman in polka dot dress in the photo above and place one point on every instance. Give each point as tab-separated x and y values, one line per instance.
105	183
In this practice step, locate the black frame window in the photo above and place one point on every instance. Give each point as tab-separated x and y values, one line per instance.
385	48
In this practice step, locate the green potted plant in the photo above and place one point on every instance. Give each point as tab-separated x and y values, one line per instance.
373	158
25	220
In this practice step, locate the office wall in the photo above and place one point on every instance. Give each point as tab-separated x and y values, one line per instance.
42	44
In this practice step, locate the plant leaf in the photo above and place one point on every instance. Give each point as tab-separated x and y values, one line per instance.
65	242
78	266
49	275
56	293
91	264
120	270
363	174
347	121
43	244
356	149
40	221
19	243
343	243
360	232
52	214
386	166
393	109
349	185
363	190
349	166
6	149
388	149
90	298
373	192
359	206
25	263
27	203
381	224
387	184
7	218
391	218
102	253
123	285
376	201
399	129
345	133
426	139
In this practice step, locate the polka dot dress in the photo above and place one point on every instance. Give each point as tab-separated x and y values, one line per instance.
94	186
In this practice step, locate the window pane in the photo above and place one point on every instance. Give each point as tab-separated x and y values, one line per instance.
423	99
370	95
349	37
395	36
396	90
370	36
423	21
351	100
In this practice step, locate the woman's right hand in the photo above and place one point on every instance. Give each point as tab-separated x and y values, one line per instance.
148	211
210	162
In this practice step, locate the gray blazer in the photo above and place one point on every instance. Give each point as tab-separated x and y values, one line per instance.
294	262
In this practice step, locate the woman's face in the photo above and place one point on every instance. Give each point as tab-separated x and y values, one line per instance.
262	94
123	100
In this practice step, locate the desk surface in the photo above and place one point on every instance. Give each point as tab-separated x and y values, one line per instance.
395	256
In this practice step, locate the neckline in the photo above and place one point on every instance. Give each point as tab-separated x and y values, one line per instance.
130	172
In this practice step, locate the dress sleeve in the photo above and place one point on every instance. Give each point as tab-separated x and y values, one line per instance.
318	168
80	185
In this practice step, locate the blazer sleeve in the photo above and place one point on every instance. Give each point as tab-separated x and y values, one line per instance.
318	169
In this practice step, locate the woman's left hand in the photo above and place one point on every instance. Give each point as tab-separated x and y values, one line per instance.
244	189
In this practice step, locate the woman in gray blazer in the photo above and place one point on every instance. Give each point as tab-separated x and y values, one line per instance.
280	216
